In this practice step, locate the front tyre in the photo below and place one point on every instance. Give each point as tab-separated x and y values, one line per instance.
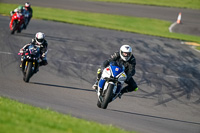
14	24
29	72
107	96
98	104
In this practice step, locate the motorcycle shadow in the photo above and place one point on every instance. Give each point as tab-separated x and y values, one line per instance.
60	86
155	117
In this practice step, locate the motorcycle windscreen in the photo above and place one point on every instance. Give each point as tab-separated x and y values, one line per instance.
34	50
116	70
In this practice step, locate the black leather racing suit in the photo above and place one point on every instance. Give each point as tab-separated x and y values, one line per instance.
43	51
30	10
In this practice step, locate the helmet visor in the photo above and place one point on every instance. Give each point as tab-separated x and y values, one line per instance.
40	40
126	54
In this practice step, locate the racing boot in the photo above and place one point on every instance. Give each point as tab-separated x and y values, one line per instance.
94	87
43	63
20	66
125	90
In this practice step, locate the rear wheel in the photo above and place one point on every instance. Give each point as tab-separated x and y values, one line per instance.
107	96
19	30
29	72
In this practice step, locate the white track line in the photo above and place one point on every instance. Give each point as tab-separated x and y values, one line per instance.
1	52
171	26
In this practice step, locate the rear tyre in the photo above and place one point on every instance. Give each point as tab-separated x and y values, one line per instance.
107	96
28	72
19	31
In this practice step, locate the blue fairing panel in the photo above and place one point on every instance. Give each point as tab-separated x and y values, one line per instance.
101	83
116	70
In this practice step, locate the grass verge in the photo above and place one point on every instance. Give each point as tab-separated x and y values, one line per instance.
198	48
146	26
192	4
21	118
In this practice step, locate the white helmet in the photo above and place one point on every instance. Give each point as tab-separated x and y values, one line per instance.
125	52
27	5
39	37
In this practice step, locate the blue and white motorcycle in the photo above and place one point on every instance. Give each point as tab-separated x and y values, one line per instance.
110	84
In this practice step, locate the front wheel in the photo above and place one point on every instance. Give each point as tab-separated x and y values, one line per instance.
14	24
98	104
29	72
107	96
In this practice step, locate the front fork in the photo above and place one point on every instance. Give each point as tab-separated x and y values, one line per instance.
26	65
103	85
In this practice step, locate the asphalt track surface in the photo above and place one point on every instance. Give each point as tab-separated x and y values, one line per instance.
190	18
168	75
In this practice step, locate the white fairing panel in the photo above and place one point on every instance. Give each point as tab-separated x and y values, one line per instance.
122	77
106	73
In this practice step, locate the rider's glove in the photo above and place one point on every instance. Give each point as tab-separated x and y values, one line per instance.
43	55
12	12
99	71
21	51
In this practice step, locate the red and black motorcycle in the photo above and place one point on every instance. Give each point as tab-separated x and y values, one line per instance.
16	23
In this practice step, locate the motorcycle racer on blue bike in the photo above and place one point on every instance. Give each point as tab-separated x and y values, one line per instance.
126	58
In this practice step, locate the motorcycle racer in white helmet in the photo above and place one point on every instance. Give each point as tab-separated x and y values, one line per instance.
27	8
125	52
39	38
40	42
123	56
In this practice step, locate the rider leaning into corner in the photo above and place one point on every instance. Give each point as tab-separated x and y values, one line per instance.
38	41
19	9
23	10
125	57
27	8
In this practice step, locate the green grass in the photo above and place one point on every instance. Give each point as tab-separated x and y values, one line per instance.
21	118
146	26
192	4
198	47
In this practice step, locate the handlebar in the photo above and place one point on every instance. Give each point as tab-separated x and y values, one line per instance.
111	79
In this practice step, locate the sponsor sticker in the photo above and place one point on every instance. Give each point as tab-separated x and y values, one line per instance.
123	75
